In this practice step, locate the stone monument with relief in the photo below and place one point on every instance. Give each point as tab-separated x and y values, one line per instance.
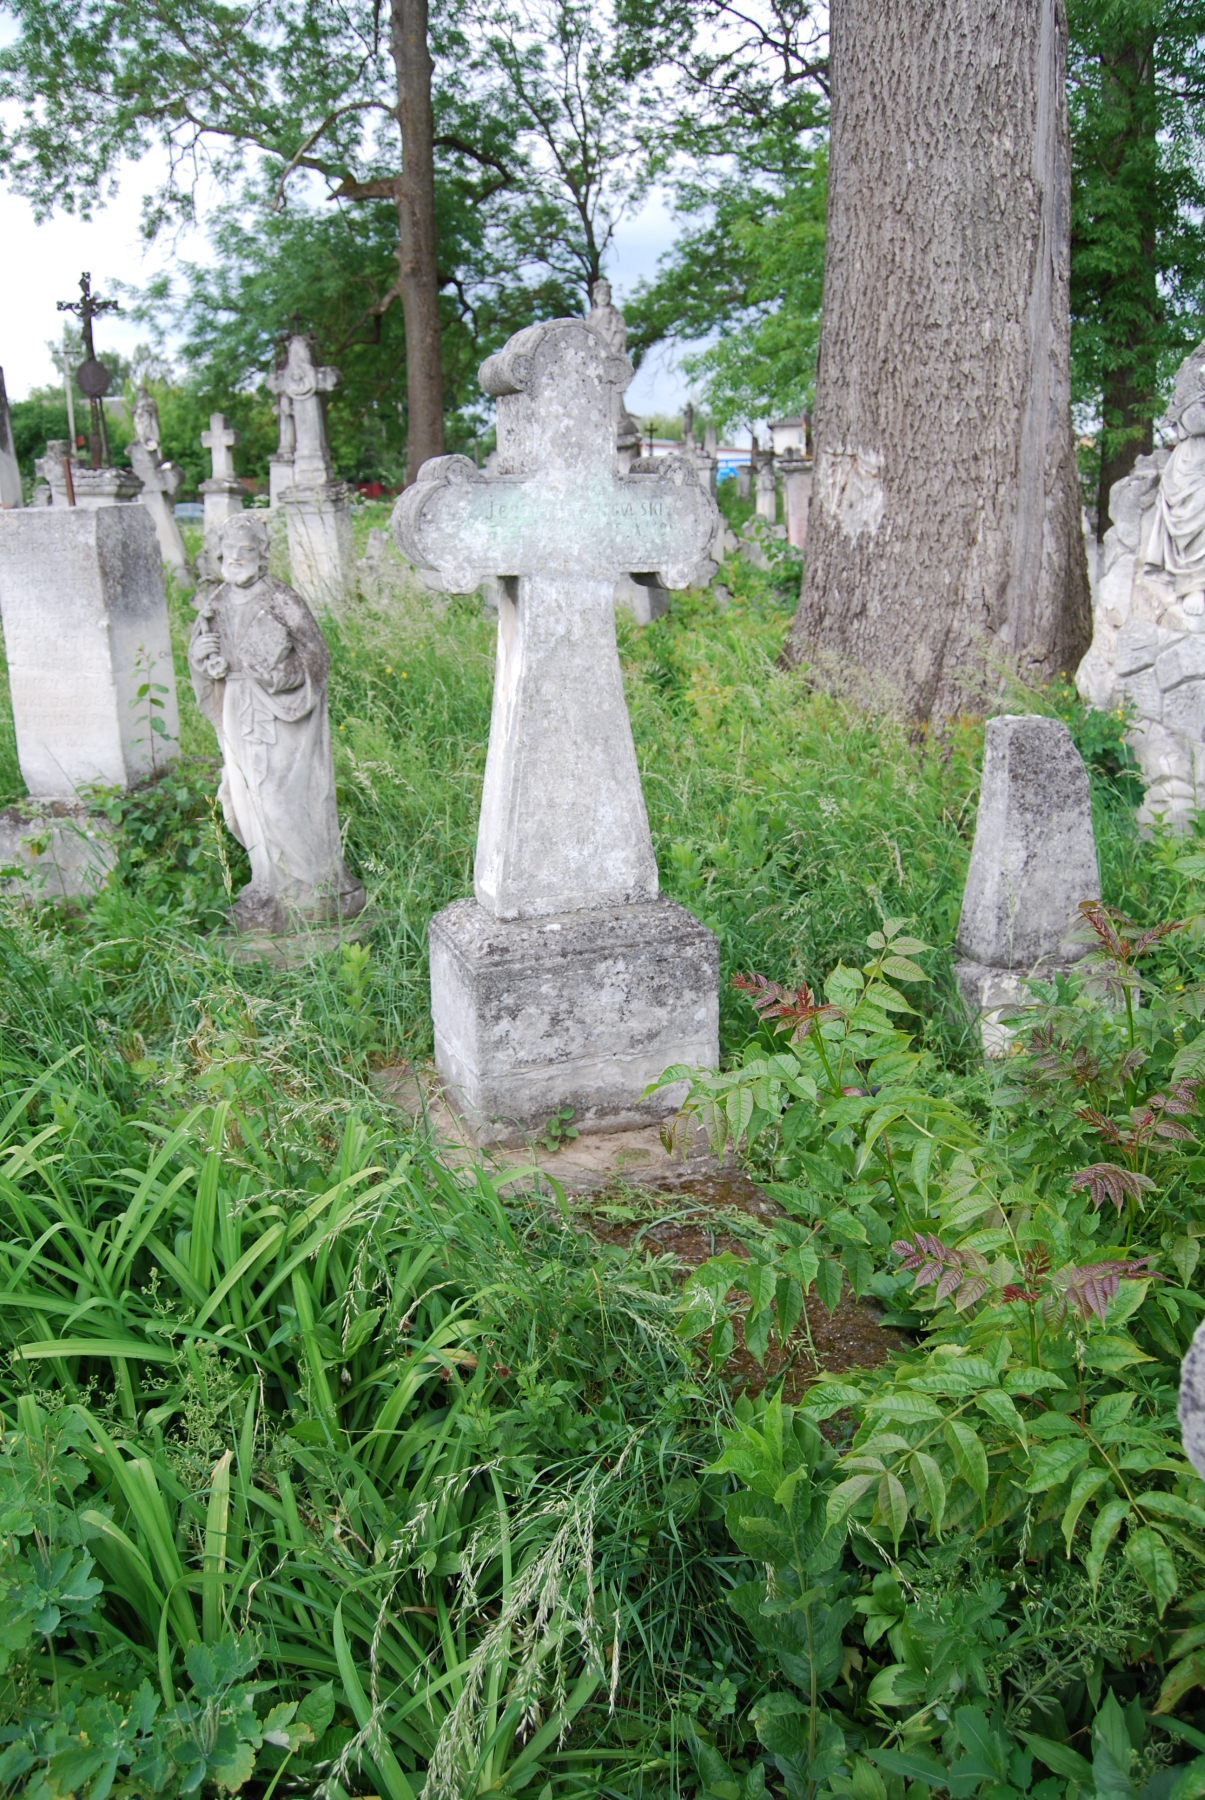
1148	631
280	463
160	481
222	494
316	506
567	980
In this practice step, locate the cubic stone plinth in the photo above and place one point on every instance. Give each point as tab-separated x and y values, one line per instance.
85	624
322	557
580	1009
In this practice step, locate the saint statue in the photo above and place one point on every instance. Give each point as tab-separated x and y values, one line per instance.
146	422
259	666
606	320
1177	540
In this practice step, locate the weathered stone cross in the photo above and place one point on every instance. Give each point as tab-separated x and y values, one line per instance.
563	823
220	440
568	981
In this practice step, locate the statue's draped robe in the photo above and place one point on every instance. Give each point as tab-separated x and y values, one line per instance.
278	781
1177	541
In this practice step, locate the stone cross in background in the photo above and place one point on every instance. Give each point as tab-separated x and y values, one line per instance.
223	495
568	981
10	474
160	481
1032	863
316	506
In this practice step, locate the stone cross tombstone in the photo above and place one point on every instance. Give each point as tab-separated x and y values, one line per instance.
160	482
1032	863
10	474
222	494
85	628
568	980
316	506
92	375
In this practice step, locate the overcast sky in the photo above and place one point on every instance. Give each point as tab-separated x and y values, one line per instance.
43	265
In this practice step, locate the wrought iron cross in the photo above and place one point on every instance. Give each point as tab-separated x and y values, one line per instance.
92	376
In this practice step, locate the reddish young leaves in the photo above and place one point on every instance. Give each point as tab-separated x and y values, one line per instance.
959	1274
796	1010
1109	1181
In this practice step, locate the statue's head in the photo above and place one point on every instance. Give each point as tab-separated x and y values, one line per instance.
243	545
600	293
1186	414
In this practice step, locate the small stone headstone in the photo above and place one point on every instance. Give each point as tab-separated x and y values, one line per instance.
567	981
222	493
1032	863
10	474
796	498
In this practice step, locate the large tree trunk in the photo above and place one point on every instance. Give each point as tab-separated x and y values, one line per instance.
945	528
418	280
1127	298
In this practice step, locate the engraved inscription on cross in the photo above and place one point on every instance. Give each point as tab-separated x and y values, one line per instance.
563	823
220	440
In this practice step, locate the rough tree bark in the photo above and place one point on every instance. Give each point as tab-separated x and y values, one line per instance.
1128	397
418	279
945	516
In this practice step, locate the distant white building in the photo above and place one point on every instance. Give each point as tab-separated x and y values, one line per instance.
790	434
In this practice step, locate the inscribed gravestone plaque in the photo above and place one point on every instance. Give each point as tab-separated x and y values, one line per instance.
567	981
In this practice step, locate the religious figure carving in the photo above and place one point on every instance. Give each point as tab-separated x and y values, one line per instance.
1177	540
146	421
259	667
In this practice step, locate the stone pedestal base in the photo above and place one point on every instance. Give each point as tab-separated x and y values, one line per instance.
222	500
321	553
987	992
50	850
280	477
576	1009
643	596
85	626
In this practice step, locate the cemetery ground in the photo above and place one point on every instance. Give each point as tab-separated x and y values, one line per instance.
334	1459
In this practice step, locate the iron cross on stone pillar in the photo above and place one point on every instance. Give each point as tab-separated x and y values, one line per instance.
567	981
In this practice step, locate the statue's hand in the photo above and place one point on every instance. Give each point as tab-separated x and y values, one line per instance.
205	646
216	667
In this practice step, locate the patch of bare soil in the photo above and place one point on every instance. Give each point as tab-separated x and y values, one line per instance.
692	1217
